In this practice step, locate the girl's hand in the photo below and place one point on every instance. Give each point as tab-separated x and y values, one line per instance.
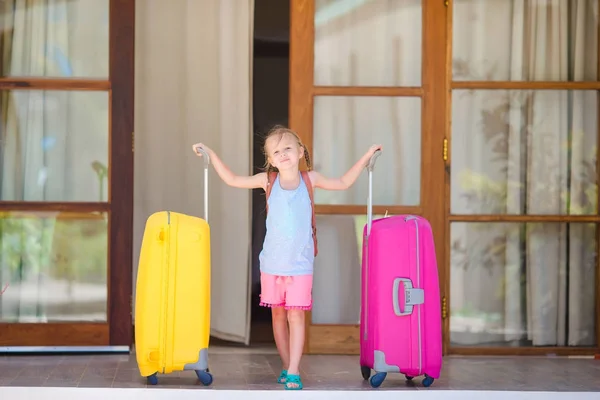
200	146
373	149
349	177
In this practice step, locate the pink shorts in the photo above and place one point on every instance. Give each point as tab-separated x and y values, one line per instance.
291	292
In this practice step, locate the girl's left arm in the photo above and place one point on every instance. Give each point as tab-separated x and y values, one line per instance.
343	183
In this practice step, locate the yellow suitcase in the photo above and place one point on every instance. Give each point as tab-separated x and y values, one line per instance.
172	308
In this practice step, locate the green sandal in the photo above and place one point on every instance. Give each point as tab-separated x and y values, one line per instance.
282	377
293	379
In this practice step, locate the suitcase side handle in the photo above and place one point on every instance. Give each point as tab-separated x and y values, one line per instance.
404	300
206	159
370	167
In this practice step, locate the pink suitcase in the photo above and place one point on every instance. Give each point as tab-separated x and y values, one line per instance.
400	319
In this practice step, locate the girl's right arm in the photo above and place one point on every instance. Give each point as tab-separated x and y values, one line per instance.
244	182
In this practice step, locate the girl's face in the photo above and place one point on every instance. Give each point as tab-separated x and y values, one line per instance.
283	151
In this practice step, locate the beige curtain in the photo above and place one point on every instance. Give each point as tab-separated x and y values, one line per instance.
193	83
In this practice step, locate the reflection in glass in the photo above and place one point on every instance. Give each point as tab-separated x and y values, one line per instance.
535	40
54	145
367	43
59	38
515	284
345	128
524	152
337	272
55	264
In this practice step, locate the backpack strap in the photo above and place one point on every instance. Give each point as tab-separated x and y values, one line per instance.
310	188
271	179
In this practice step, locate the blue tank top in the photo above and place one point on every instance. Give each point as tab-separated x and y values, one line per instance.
288	249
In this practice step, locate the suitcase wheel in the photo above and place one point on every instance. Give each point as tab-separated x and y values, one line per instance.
365	372
377	379
205	377
409	378
428	381
152	379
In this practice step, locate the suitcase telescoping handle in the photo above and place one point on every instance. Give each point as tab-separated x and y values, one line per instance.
370	168
206	159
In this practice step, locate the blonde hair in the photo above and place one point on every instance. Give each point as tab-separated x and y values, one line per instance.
281	131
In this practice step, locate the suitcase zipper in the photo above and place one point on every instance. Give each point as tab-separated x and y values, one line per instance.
413	218
365	311
166	292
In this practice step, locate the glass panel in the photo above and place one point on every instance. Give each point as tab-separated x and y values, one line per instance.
351	34
515	284
345	128
55	38
55	265
535	40
54	145
524	152
337	271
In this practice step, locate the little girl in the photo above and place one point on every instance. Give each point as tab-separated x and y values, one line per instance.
286	260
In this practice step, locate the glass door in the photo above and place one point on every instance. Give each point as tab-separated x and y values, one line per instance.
523	197
488	113
66	172
363	73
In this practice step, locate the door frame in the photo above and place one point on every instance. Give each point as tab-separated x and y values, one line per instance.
122	99
344	339
117	330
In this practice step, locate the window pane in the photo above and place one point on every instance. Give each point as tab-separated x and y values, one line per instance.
524	152
54	145
516	284
55	264
350	35
345	128
55	38
536	40
336	284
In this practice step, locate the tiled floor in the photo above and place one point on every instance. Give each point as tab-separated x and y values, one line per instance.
235	368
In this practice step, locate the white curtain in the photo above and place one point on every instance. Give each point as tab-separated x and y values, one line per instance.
349	37
524	152
51	138
54	147
193	83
